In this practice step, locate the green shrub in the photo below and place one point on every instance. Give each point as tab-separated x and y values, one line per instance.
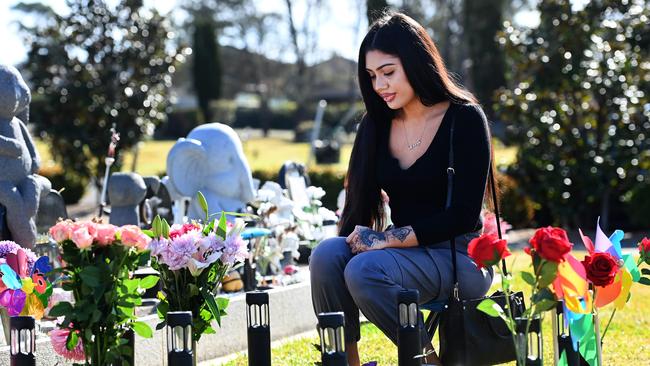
516	207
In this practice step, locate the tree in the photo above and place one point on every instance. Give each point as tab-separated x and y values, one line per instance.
374	9
482	20
94	67
206	68
576	103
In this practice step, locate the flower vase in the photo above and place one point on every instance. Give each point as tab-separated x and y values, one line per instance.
528	342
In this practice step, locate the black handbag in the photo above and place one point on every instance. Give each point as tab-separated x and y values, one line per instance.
468	336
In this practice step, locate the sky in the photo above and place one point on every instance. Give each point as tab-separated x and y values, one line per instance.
336	35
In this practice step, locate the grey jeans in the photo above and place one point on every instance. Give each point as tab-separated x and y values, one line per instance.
370	281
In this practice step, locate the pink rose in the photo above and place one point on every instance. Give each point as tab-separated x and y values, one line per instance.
61	231
90	226
132	236
105	234
82	238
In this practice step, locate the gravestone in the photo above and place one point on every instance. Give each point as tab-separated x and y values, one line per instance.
211	160
125	191
19	160
50	210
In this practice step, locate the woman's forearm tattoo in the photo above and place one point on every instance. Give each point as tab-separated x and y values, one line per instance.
400	233
368	237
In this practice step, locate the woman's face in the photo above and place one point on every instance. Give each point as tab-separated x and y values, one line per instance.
389	79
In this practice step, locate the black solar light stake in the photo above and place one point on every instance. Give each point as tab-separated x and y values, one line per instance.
179	338
22	341
409	342
259	333
332	339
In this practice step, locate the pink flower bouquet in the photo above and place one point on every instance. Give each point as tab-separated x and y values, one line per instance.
192	260
98	262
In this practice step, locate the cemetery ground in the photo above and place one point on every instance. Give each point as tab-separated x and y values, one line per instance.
626	341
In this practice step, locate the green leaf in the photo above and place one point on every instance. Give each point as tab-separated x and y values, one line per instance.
162	309
645	271
212	305
222	227
528	278
142	329
644	281
543	294
547	274
490	307
222	303
61	309
71	342
149	281
131	285
203	203
544	305
91	276
149	233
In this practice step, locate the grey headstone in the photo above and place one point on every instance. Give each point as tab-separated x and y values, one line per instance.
19	159
125	191
51	208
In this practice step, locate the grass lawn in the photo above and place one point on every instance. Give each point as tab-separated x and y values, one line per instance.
626	342
262	154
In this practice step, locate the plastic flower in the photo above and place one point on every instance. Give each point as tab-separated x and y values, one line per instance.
58	339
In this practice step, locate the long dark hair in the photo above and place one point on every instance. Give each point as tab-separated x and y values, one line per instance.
398	35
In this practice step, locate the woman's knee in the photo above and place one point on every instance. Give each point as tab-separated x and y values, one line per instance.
361	271
328	255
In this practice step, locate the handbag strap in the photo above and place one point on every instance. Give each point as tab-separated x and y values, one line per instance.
450	184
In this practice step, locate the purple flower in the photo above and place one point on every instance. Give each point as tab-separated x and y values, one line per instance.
236	250
209	251
7	246
158	246
180	250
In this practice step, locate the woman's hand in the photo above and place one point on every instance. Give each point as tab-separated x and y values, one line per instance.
364	238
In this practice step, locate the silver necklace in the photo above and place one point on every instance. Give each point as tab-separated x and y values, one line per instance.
417	142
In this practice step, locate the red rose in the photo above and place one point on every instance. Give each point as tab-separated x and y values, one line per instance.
644	250
551	243
487	250
601	268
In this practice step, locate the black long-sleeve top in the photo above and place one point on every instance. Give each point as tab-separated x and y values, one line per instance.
418	194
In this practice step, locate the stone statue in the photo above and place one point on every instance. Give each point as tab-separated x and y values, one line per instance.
211	160
19	160
125	192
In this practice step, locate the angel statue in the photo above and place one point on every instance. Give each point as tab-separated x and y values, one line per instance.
211	160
